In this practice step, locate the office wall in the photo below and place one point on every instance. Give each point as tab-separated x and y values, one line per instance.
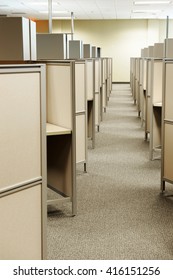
120	39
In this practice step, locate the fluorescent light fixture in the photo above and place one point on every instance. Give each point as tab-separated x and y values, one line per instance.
54	12
43	3
146	11
151	2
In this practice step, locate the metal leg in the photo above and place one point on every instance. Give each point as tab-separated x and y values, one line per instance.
85	167
162	186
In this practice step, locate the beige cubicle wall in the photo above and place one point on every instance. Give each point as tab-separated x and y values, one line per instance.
90	96
146	83
97	65
131	74
81	113
148	99
66	108
94	117
167	125
108	76
154	100
103	79
134	81
141	69
143	95
167	116
137	91
156	107
133	78
168	47
23	162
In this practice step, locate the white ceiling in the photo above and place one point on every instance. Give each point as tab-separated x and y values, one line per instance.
87	9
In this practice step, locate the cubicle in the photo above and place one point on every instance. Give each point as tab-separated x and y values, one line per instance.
167	117
143	74
156	101
156	108
137	89
108	77
133	77
66	110
167	126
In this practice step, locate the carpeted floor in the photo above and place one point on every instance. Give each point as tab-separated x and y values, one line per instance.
121	213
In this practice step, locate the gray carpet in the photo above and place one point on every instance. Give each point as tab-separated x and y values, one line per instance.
121	213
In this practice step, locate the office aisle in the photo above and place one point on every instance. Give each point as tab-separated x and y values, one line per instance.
121	214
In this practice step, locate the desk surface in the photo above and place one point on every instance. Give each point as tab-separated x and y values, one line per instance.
52	129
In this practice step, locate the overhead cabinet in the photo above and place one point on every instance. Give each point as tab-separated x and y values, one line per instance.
75	49
52	46
94	51
87	51
18	39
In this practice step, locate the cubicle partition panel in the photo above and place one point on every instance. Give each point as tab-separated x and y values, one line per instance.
23	162
148	99
131	73
81	112
104	93
143	96
101	89
140	87
167	125
110	73
90	87
108	76
137	92
97	93
156	107
61	131
134	79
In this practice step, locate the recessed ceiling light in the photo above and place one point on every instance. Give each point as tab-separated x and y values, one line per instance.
43	3
151	2
146	11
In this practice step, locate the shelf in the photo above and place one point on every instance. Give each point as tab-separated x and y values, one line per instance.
52	129
158	104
